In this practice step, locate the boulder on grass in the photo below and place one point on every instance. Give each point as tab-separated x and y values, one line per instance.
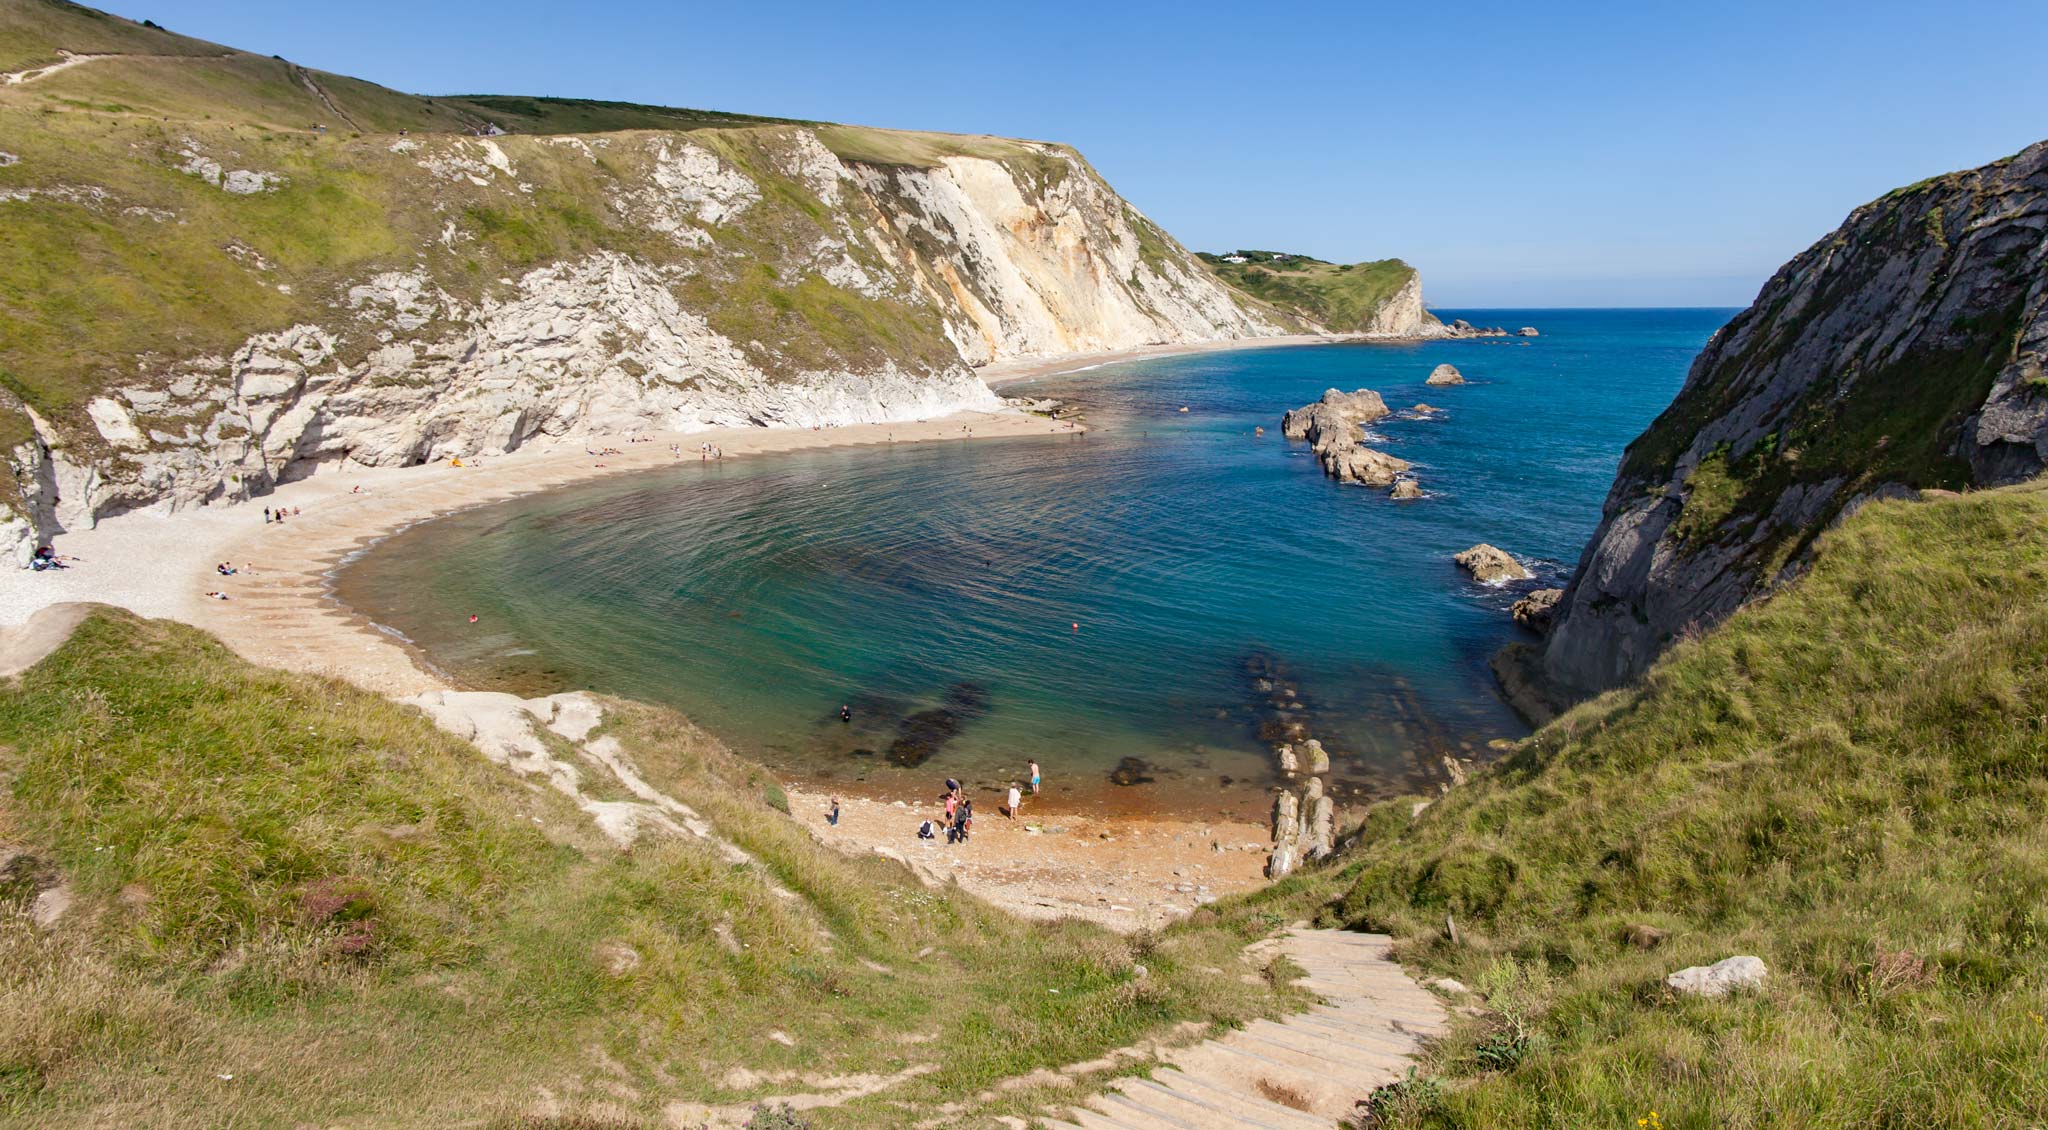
1728	975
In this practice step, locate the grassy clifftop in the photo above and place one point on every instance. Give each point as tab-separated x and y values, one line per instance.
1846	780
1344	297
358	919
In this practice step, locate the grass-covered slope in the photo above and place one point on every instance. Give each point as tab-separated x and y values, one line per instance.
1847	780
1343	297
299	904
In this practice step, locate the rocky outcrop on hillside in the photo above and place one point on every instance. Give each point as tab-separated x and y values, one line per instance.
1902	352
757	277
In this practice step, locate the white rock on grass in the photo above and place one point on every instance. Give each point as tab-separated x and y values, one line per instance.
1730	974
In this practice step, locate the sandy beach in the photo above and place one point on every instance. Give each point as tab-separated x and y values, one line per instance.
1124	871
1008	373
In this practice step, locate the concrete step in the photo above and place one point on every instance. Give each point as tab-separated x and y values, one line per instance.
1165	1113
1335	1068
1184	1107
1124	1114
1328	1044
1097	1120
1359	1032
1253	1108
1317	1093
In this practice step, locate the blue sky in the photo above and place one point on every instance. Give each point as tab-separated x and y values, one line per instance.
1519	154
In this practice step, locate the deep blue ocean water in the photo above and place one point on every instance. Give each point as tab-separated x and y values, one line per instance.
935	587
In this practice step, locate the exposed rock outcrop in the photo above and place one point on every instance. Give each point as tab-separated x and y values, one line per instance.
1728	975
1333	428
1902	352
1445	374
1490	565
1526	331
1534	611
1406	488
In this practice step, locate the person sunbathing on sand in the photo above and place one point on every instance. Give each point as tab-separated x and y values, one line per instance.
218	595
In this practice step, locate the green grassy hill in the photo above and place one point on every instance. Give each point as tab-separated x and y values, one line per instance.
363	922
1341	296
1846	780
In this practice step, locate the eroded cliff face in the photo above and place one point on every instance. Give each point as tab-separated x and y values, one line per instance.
1902	353
558	286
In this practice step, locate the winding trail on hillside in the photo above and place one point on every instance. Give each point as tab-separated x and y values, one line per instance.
70	60
1303	1073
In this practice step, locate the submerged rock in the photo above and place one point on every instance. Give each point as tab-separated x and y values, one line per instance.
1490	565
1445	374
1131	771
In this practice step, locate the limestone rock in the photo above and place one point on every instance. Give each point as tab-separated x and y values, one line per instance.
1534	611
1445	374
1421	409
1321	824
1318	758
1286	817
1490	565
1526	331
1406	488
1859	324
1730	974
1289	763
1336	412
1446	985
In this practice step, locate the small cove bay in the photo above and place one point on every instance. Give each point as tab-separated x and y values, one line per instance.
1132	605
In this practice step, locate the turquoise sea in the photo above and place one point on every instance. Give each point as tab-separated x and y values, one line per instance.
1107	604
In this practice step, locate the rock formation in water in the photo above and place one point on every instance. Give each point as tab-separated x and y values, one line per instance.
1406	488
1445	374
1527	331
1535	610
1490	565
1333	427
1902	352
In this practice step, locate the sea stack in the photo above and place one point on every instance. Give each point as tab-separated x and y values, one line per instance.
1445	374
1333	428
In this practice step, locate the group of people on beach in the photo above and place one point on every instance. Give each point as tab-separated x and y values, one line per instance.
957	822
46	557
279	515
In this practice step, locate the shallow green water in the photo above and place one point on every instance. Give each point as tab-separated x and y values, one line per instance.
936	588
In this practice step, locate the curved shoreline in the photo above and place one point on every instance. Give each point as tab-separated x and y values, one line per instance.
1125	871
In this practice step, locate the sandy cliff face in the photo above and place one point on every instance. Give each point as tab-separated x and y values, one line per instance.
1903	352
754	277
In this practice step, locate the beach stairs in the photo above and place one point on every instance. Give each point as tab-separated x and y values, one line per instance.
1305	1072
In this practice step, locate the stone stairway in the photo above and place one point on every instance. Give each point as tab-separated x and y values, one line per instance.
1302	1073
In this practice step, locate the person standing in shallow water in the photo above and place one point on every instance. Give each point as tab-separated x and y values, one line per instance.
1034	777
1016	801
845	713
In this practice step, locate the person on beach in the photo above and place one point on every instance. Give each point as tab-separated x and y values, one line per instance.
1016	801
217	595
966	819
1034	777
832	817
952	806
925	831
266	515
